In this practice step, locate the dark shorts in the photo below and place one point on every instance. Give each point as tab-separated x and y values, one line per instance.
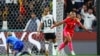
19	45
49	36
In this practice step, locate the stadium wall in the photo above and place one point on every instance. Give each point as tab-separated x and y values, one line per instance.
24	36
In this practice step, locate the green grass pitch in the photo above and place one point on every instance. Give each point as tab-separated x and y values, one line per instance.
63	55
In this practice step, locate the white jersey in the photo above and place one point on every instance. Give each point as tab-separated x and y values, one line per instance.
88	20
48	21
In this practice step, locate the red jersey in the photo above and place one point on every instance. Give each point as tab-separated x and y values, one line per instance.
70	25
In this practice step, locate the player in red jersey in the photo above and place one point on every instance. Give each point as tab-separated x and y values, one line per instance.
68	31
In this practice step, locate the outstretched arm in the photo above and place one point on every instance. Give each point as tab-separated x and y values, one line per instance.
57	24
79	23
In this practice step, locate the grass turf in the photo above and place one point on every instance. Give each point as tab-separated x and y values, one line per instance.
64	55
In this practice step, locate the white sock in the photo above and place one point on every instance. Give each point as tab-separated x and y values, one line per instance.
47	45
54	47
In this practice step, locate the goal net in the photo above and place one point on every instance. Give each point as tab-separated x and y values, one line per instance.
14	16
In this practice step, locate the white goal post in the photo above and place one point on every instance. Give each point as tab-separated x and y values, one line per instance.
58	12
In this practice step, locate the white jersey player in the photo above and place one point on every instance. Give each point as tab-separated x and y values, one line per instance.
48	21
49	34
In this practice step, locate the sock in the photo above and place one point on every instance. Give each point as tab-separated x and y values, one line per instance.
62	45
47	45
54	47
70	45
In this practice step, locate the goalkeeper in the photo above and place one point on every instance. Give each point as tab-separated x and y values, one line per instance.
15	42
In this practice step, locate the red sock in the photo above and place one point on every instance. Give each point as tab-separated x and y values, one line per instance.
70	45
62	45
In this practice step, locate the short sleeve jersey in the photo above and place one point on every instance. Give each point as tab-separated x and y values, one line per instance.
48	21
70	24
12	40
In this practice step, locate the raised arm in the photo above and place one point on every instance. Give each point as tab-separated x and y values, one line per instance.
80	24
57	24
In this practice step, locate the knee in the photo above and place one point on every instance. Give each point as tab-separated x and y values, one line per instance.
69	40
66	42
54	40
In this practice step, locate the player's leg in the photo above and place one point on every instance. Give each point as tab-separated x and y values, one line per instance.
70	44
53	38
15	49
63	44
54	43
46	44
65	41
18	47
14	53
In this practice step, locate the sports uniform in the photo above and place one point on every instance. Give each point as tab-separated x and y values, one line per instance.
69	27
15	42
49	33
68	32
48	21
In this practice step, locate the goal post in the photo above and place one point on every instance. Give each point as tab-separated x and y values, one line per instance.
58	16
58	11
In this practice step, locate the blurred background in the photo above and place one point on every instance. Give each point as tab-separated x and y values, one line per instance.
16	14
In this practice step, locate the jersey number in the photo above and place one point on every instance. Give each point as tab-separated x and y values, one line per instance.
47	23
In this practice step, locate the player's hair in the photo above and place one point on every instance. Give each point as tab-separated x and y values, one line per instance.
9	33
46	10
72	12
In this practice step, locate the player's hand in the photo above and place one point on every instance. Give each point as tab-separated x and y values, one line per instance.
52	26
89	31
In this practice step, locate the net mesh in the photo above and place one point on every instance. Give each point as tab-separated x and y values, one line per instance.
14	16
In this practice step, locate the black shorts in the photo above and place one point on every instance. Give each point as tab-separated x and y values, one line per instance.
49	36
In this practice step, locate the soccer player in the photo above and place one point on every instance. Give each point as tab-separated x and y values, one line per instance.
15	42
68	31
49	34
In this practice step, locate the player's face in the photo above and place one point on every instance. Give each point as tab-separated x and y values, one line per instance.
9	33
46	9
72	14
